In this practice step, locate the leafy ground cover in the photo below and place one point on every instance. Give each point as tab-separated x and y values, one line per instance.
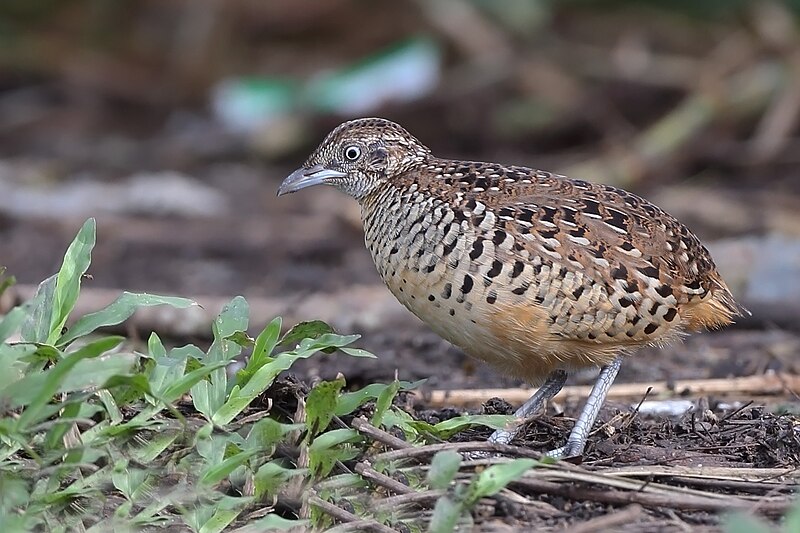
101	433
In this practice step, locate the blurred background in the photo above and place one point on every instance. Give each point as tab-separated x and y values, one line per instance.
173	122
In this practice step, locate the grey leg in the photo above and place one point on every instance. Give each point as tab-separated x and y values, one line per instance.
577	438
551	386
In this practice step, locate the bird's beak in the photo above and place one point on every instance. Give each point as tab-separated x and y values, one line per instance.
306	177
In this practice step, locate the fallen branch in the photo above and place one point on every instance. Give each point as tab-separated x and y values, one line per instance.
765	384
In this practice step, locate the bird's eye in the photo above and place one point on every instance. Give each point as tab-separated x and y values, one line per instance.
352	152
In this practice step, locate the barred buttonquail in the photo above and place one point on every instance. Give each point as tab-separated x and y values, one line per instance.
533	272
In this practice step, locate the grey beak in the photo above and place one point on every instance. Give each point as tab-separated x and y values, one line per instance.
307	177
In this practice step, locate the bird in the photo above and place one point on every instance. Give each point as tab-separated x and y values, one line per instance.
530	271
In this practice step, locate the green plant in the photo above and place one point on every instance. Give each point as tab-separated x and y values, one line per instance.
98	432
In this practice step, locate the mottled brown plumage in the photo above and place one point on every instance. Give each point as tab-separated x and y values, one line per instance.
528	270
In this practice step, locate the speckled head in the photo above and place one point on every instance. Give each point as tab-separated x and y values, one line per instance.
357	157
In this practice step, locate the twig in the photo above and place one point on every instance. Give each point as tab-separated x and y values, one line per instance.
606	522
430	449
648	499
393	502
343	515
773	384
382	479
364	427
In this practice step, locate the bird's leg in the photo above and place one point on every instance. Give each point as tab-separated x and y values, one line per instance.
549	388
577	438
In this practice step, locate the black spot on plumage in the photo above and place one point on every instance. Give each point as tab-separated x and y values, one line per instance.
477	249
591	207
431	297
600	251
618	219
497	267
626	301
467	285
526	215
650	328
505	212
578	292
669	316
568	215
499	237
449	247
548	214
650	271
548	233
447	291
517	269
654	309
471	204
481	182
519	291
619	272
491	297
665	291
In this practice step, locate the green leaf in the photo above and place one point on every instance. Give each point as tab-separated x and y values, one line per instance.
744	523
209	396
305	330
445	516
270	477
264	345
218	472
225	511
6	282
384	402
169	370
266	340
36	390
791	521
325	450
273	522
497	477
155	442
10	362
119	311
68	280
183	385
240	397
36	326
93	373
358	352
268	432
447	428
11	322
350	401
443	469
241	338
320	405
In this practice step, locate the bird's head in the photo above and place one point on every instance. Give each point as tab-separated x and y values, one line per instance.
357	157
